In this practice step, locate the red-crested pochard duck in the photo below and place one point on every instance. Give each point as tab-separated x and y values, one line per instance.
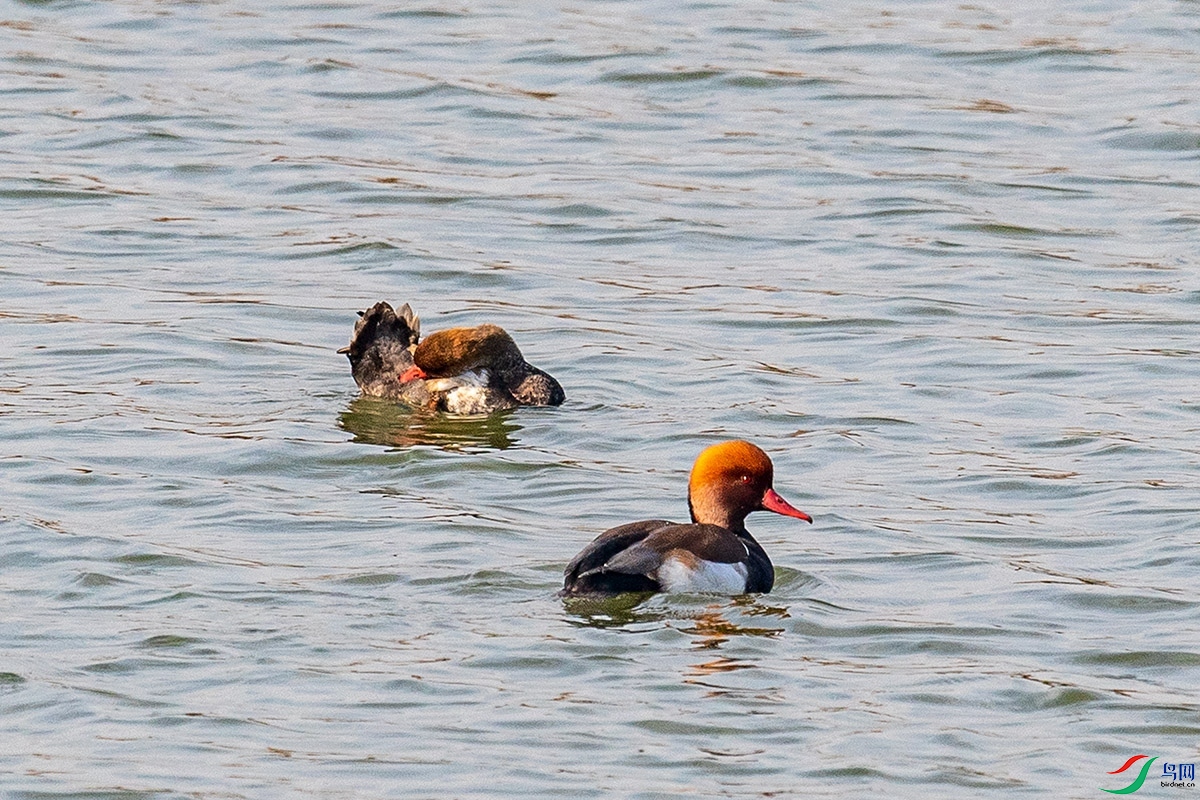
460	370
715	553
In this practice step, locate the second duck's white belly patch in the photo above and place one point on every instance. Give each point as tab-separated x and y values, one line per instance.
684	572
466	393
469	400
472	379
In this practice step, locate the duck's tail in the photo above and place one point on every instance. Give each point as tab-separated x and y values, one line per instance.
537	388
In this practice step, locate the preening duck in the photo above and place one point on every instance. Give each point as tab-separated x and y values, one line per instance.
714	553
459	370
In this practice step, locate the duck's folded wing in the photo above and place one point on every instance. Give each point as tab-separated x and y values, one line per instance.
705	542
607	545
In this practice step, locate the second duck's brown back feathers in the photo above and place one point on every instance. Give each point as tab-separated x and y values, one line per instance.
458	350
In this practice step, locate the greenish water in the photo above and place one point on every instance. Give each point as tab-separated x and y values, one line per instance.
939	260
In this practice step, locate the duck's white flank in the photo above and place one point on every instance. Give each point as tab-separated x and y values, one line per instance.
684	572
466	393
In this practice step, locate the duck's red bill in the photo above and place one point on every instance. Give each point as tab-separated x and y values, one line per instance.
412	373
773	502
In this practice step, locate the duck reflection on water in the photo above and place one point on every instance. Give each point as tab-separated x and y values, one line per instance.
379	422
710	624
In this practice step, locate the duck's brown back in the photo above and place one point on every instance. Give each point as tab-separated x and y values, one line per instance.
457	350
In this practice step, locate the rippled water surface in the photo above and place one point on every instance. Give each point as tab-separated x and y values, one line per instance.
938	259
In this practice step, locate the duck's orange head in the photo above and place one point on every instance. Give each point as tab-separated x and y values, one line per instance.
733	479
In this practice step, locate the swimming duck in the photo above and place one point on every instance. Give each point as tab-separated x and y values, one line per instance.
715	553
460	370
